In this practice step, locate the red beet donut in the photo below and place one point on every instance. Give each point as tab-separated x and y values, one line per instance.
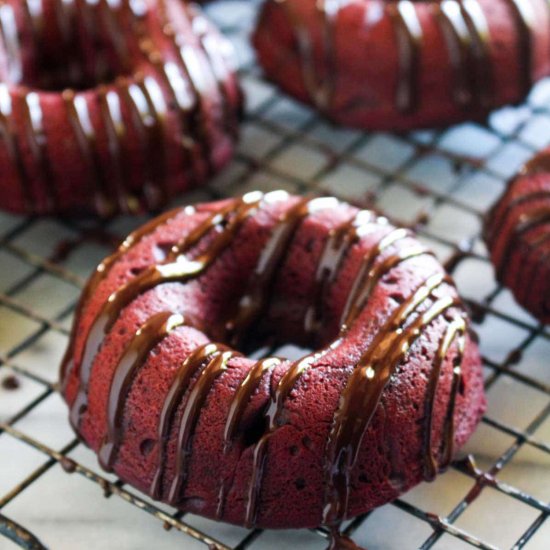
156	387
517	232
399	64
111	105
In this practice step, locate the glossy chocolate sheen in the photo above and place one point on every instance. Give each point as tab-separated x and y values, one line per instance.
109	107
392	388
401	64
517	232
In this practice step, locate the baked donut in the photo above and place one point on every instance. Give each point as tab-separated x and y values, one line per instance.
157	388
400	64
517	233
110	106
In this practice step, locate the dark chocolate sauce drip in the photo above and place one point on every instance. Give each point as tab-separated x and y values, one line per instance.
37	143
524	16
190	417
455	332
157	327
365	386
113	122
148	121
179	386
79	118
13	147
409	38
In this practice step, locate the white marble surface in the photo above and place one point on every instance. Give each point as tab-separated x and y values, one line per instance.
70	512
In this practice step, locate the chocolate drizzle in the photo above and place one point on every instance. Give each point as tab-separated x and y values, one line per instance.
181	382
194	379
455	332
149	334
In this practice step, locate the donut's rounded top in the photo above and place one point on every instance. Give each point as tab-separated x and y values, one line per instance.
156	386
517	232
110	106
400	64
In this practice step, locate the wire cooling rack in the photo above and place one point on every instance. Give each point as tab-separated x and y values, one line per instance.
441	183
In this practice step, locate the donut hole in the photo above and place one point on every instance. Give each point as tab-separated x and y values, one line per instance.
55	47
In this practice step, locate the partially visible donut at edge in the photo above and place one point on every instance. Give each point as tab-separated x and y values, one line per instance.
517	233
111	107
157	388
402	64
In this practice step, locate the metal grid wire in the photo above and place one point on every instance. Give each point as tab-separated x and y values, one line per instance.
439	182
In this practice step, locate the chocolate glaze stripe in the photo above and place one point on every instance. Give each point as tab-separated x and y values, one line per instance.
338	244
112	21
467	50
525	21
180	270
12	145
101	273
455	332
157	327
236	411
190	418
148	121
218	68
243	394
8	32
111	112
253	302
195	74
36	140
329	10
456	383
272	414
459	43
364	389
409	38
179	386
478	26
78	115
363	277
